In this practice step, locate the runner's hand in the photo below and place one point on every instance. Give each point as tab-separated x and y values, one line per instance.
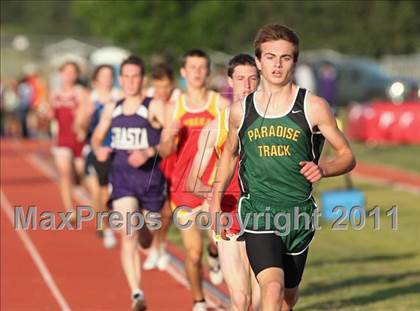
214	211
223	235
175	128
208	196
224	231
137	158
311	171
102	154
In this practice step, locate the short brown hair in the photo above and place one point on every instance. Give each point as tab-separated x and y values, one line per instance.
162	71
274	32
195	53
240	59
134	60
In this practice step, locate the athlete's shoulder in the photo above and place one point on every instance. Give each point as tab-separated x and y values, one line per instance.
170	107
156	103
116	94
105	119
223	102
109	108
176	93
316	103
318	109
177	100
157	111
173	101
236	113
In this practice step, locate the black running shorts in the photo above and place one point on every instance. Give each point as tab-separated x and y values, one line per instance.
267	250
100	169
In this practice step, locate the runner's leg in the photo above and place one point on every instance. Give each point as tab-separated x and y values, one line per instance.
130	257
63	162
235	268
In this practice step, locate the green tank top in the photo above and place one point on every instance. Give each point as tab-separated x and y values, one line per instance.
271	149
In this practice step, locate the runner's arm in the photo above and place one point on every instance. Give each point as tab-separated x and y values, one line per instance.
320	115
103	127
227	163
206	142
223	103
157	113
83	114
170	131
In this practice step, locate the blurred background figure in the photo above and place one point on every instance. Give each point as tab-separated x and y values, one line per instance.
162	88
103	93
163	84
64	105
327	84
36	125
25	95
305	77
10	126
31	93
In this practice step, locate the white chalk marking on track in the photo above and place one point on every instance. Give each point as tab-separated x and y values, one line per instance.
36	257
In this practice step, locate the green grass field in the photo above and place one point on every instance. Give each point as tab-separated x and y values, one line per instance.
366	269
404	157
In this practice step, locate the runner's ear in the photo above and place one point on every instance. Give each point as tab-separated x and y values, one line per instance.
230	81
182	72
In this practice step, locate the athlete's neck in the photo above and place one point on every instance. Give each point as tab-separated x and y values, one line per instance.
275	89
166	98
134	100
276	100
197	97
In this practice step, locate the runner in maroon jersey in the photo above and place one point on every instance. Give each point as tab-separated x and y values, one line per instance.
64	106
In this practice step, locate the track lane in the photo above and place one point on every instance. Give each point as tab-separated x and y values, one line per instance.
91	277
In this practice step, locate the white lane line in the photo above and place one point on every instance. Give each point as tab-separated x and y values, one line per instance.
214	296
36	257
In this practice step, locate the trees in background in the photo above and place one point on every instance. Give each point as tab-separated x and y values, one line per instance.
42	18
371	28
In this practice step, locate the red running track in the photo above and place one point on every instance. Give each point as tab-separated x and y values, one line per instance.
73	271
70	270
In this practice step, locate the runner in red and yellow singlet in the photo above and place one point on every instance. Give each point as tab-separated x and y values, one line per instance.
183	123
243	287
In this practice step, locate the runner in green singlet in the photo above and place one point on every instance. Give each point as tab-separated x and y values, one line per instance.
277	133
